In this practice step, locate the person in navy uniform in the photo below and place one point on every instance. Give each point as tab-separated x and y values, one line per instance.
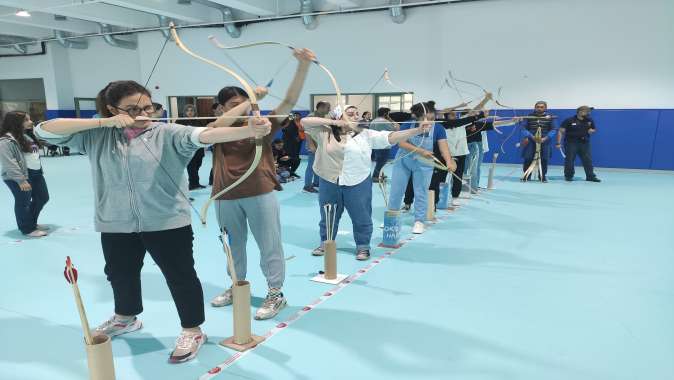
576	131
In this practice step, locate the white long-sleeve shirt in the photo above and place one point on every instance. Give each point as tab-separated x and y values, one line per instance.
348	162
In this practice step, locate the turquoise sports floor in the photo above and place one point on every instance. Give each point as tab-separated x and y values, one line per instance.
529	281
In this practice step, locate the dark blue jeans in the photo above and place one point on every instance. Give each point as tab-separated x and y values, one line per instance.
28	204
310	178
380	158
357	200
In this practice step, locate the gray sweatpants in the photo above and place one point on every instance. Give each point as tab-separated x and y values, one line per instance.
263	216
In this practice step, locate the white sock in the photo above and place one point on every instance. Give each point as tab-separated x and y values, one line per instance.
192	330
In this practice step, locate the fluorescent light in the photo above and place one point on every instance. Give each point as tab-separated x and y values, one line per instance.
22	13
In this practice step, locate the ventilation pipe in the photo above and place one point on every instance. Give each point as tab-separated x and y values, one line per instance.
22	49
164	24
397	13
69	43
310	22
20	44
114	40
231	28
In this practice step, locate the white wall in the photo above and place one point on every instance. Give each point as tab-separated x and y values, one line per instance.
606	53
31	67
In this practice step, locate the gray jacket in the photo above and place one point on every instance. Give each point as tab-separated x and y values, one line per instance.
13	162
133	192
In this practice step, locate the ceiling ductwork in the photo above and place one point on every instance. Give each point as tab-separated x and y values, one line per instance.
20	44
310	22
63	40
231	28
115	41
397	13
22	49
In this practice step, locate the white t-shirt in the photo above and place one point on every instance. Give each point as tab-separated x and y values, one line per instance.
456	139
485	142
33	157
357	155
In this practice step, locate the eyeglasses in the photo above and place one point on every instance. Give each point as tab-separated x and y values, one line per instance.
136	111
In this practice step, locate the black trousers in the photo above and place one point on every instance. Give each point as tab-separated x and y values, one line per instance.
294	164
582	149
439	176
456	184
293	148
193	167
172	251
544	167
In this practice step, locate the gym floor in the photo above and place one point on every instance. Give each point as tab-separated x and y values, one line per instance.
528	281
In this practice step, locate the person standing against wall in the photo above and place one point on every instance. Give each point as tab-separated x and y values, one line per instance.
190	111
310	177
383	122
576	131
22	171
292	142
540	118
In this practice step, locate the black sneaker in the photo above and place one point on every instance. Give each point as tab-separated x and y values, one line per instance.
544	180
309	190
593	179
568	179
363	254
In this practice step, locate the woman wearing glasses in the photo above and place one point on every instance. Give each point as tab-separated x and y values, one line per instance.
343	165
138	170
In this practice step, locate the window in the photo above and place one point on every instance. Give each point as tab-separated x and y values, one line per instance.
396	102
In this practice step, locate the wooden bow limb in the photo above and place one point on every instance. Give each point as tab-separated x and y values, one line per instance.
255	109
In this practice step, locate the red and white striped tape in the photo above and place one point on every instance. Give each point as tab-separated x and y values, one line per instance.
217	370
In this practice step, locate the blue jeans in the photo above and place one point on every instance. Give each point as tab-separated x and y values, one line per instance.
380	157
474	163
28	204
421	180
357	200
310	178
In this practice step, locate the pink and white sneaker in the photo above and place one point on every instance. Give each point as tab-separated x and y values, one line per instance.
187	347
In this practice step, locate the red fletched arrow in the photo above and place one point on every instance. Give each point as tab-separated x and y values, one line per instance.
70	272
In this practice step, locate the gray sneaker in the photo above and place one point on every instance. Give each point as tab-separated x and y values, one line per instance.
223	299
113	326
187	347
271	306
319	251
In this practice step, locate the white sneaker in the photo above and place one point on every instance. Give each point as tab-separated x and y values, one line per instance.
271	306
455	202
37	234
418	228
187	347
223	299
42	227
113	326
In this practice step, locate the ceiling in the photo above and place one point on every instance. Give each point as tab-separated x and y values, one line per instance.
77	17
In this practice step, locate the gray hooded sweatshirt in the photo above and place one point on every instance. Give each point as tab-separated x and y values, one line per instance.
14	167
133	192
